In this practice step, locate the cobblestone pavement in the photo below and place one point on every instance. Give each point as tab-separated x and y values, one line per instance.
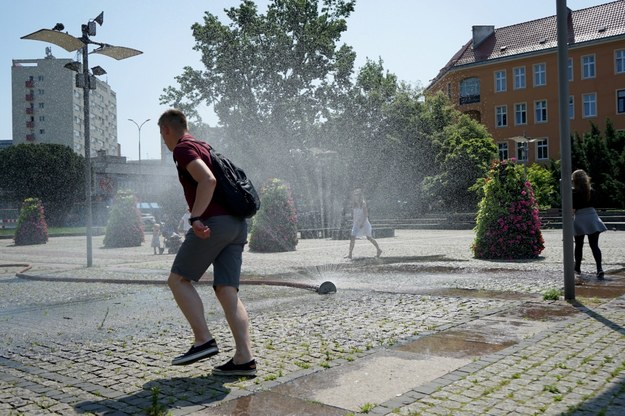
425	329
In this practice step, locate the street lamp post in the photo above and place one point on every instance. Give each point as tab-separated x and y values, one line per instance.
525	142
139	128
87	82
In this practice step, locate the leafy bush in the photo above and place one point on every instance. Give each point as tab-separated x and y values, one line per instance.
275	226
124	228
31	224
544	186
53	173
507	224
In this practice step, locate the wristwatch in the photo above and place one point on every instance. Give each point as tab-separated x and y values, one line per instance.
193	219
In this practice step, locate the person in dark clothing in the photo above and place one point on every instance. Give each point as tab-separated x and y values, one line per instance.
586	222
216	237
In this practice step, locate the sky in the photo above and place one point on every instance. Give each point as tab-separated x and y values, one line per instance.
414	39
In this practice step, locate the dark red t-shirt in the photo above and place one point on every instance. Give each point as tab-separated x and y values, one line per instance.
187	150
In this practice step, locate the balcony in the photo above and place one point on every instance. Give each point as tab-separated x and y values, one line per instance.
30	124
30	97
469	99
30	111
30	84
30	137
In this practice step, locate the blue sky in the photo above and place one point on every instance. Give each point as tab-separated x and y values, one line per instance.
414	38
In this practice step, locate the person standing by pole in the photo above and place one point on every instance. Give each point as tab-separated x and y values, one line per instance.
218	238
586	222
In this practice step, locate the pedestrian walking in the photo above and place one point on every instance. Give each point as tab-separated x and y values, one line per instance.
361	227
218	238
586	222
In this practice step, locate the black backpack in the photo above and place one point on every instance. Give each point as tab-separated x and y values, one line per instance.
234	189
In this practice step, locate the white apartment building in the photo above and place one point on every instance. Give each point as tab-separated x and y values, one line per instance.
48	107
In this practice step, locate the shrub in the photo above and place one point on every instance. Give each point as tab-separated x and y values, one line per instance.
544	186
31	224
124	228
274	228
507	224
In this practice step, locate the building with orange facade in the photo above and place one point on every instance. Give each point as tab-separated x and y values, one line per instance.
507	78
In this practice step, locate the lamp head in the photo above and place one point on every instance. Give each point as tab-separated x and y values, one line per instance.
58	27
98	70
74	66
100	18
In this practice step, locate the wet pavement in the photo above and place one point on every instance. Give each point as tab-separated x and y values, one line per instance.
423	330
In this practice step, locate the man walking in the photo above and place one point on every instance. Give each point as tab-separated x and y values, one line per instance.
218	238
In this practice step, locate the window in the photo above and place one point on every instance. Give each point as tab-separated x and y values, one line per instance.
519	77
42	118
503	151
470	90
501	116
589	105
42	131
500	81
540	111
40	78
40	105
619	58
569	69
588	66
571	107
521	151
540	75
40	91
620	101
542	149
520	114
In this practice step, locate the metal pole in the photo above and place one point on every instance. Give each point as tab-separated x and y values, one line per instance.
566	191
85	90
139	127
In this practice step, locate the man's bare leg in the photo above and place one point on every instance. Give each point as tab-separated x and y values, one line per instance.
191	305
237	318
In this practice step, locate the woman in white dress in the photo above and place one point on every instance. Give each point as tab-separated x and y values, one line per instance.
361	226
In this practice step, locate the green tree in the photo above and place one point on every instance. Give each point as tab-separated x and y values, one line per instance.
463	153
52	173
124	228
31	224
544	186
270	77
360	132
599	156
274	228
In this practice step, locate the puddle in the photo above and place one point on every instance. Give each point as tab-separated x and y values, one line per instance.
455	344
542	312
489	334
475	293
598	290
268	403
376	378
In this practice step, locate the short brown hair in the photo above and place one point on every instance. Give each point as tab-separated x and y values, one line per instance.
174	119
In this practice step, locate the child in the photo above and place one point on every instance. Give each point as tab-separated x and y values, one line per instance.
156	238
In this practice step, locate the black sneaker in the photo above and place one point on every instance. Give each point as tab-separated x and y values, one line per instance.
208	349
600	275
232	369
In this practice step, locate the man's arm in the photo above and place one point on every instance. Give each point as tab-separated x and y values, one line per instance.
206	184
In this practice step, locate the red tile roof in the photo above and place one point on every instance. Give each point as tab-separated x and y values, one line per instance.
591	24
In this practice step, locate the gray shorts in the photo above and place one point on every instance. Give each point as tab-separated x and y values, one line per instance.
223	249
